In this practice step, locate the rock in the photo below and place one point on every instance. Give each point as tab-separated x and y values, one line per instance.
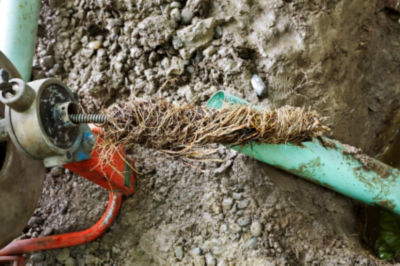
176	5
176	67
35	221
94	45
258	85
242	204
47	61
70	262
190	69
243	221
36	257
176	14
235	228
56	171
210	260
47	231
209	51
227	204
176	42
186	16
252	243
199	261
198	35
63	256
179	252
256	228
237	196
196	251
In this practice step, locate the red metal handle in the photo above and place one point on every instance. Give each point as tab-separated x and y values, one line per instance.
70	239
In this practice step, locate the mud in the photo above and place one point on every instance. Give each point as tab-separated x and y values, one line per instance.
338	57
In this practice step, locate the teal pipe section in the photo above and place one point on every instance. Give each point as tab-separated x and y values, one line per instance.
328	163
18	29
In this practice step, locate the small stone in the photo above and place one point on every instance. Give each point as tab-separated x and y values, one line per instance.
94	45
255	228
35	221
63	255
210	260
175	14
190	69
227	204
186	15
237	196
37	257
47	231
243	221
258	85
47	61
242	204
209	51
56	171
176	5
235	228
176	42
196	251
252	243
199	261
179	252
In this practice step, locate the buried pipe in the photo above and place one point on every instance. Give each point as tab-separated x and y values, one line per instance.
18	28
329	163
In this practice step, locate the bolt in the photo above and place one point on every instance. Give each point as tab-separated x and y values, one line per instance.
5	85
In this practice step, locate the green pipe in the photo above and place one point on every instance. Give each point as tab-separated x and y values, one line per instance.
18	28
328	163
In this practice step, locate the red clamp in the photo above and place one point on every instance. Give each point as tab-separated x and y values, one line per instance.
117	176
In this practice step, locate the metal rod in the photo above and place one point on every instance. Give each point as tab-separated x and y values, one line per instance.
18	28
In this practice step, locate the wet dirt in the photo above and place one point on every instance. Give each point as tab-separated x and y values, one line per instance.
338	57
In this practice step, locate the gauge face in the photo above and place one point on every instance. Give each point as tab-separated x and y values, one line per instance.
62	134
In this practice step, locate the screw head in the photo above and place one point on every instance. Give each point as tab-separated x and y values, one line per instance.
4	76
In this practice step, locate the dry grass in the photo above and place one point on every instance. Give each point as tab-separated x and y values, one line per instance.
186	130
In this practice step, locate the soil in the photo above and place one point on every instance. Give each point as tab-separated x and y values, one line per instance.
339	57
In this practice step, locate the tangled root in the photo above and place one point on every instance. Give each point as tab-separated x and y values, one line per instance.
185	130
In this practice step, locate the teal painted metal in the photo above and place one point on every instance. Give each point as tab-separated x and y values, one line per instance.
18	28
328	163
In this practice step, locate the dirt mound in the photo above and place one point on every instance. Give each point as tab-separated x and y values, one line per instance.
338	57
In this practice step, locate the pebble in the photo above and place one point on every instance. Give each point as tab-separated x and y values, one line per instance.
242	204
176	42
186	15
258	85
176	14
56	171
35	221
94	45
190	69
237	196
255	228
227	204
243	221
47	61
37	257
209	51
210	260
179	252
176	5
235	228
196	251
47	231
252	243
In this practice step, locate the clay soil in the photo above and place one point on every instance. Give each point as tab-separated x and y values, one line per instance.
339	57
